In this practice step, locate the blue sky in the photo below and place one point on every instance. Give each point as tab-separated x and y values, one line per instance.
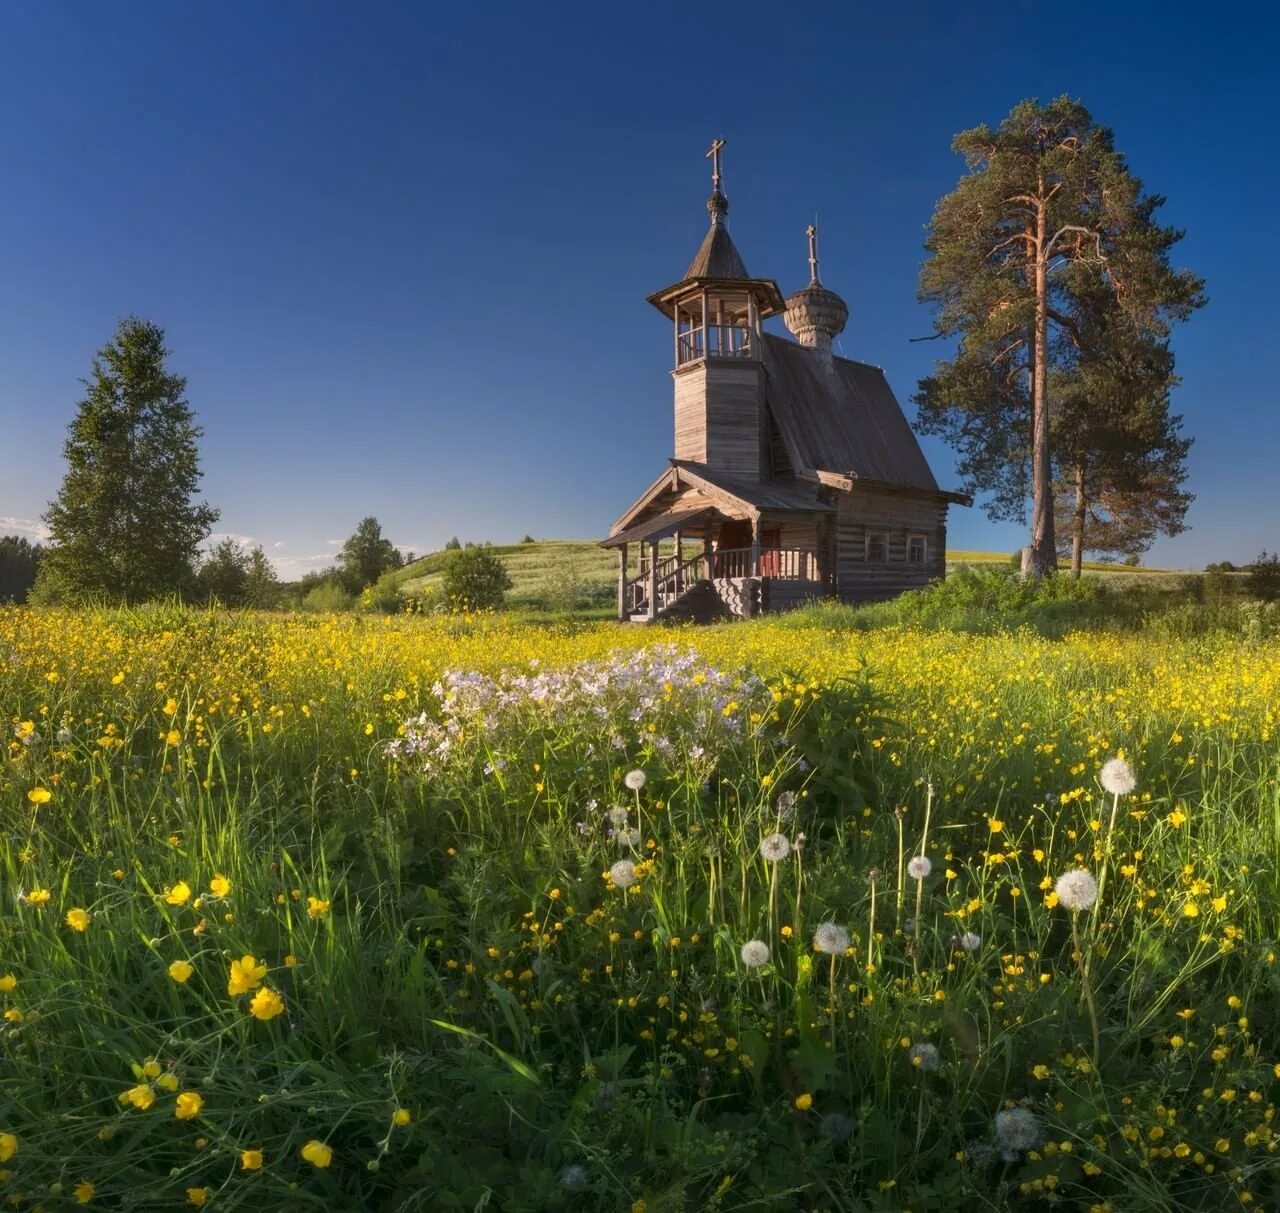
401	251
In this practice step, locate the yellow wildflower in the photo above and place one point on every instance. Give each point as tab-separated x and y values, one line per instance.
178	894
804	1102
266	1004
317	1153
8	1146
246	973
317	907
219	886
39	796
188	1105
78	919
198	1197
38	897
250	1160
83	1192
181	970
403	1116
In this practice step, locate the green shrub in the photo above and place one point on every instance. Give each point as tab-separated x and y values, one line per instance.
475	580
383	596
328	596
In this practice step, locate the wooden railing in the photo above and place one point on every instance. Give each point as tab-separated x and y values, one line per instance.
651	591
715	341
784	564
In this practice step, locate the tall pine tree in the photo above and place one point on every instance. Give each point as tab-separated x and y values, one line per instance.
1047	210
126	525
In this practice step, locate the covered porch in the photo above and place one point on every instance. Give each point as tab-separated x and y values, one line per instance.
702	562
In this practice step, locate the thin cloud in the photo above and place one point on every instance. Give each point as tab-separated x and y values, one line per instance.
30	528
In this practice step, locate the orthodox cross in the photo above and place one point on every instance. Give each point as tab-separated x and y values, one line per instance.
714	156
812	233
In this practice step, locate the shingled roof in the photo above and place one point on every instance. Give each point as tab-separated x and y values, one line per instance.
717	257
841	417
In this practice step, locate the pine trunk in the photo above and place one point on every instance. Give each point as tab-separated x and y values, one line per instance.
1044	552
1077	525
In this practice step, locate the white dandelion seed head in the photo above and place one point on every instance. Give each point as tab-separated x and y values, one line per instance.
970	941
1017	1129
787	805
924	1055
755	952
1077	890
574	1177
1117	777
775	848
831	938
617	818
635	779
836	1126
919	866
623	873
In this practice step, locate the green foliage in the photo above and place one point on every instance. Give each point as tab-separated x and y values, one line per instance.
125	525
454	545
328	595
383	597
1026	258
236	576
474	580
19	566
1264	576
367	555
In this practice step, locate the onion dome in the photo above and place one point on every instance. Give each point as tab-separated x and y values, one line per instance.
815	315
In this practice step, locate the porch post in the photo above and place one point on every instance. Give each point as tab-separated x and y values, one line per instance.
706	549
653	579
622	582
755	545
679	569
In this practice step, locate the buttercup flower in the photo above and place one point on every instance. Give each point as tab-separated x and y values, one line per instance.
316	907
918	867
1077	890
39	796
8	1146
623	873
831	938
401	1117
775	848
8	983
755	952
141	1096
83	1192
317	1153
246	973
250	1160
804	1102
188	1105
179	894
181	970
199	1197
219	886
78	919
266	1004
1117	777
38	897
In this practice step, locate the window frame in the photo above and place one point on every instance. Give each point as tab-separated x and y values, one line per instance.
883	536
912	536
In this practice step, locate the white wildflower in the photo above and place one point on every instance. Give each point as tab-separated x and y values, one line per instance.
635	780
574	1177
755	952
1077	890
970	941
831	938
1117	777
775	848
787	805
924	1055
623	873
617	818
918	867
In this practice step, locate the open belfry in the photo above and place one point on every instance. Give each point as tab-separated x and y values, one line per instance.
795	474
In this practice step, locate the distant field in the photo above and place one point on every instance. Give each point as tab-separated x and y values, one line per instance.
565	572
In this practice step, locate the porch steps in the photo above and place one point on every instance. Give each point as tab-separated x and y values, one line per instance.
698	604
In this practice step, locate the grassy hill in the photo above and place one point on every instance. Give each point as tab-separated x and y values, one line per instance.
575	573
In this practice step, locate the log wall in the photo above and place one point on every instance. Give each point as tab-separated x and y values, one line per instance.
897	516
719	403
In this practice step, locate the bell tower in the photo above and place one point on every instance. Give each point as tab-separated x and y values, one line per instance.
716	311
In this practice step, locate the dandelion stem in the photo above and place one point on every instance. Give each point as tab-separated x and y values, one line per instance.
1087	987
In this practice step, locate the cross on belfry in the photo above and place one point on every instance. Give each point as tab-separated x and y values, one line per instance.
812	233
714	156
